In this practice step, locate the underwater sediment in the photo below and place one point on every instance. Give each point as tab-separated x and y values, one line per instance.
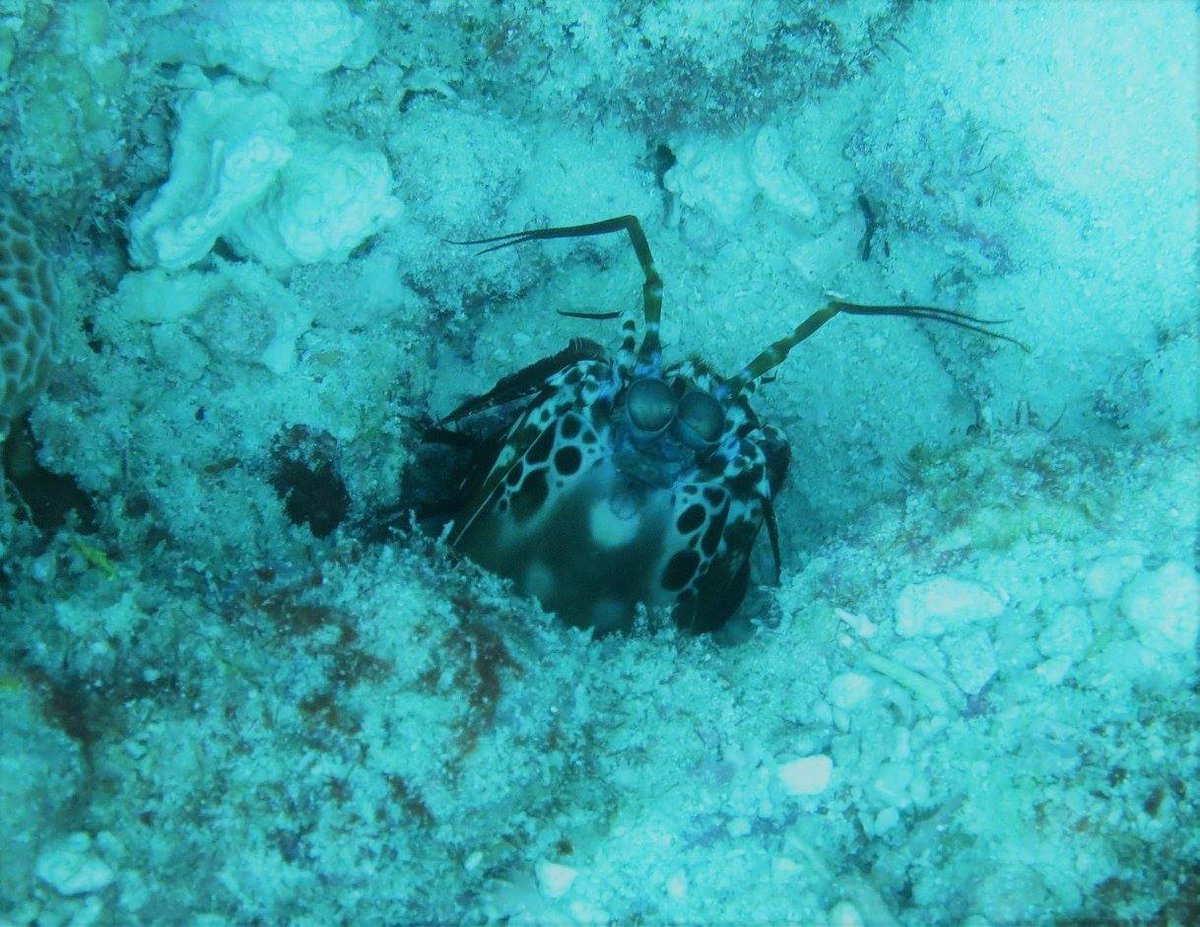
234	692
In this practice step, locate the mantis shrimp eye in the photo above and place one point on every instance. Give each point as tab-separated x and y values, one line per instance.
651	406
699	420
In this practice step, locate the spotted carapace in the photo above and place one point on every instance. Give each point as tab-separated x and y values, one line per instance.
602	483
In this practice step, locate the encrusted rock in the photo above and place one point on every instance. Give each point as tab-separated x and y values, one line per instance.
808	775
940	604
71	868
1164	608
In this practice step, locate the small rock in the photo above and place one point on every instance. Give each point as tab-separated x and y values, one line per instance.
738	826
808	775
70	868
677	886
939	604
971	659
1069	634
844	914
554	879
849	690
777	178
1164	608
886	820
1055	669
890	783
1105	575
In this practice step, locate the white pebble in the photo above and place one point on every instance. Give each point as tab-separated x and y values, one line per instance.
738	826
886	820
1104	577
70	868
891	783
554	879
778	180
863	627
919	789
971	659
1122	660
849	690
1164	608
677	886
1069	633
939	604
808	775
844	914
1054	670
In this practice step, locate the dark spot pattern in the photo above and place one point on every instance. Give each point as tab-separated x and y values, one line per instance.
570	427
567	460
712	534
679	570
690	518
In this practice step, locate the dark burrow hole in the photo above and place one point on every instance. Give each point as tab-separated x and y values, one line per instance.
304	474
45	499
664	159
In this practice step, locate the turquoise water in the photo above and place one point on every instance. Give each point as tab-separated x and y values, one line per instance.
970	699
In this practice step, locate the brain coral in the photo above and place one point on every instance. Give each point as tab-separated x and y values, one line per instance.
28	314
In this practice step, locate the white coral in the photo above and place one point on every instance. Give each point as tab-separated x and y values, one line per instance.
256	37
330	197
230	147
238	172
262	39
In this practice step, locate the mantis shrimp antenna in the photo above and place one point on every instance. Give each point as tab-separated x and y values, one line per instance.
775	353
